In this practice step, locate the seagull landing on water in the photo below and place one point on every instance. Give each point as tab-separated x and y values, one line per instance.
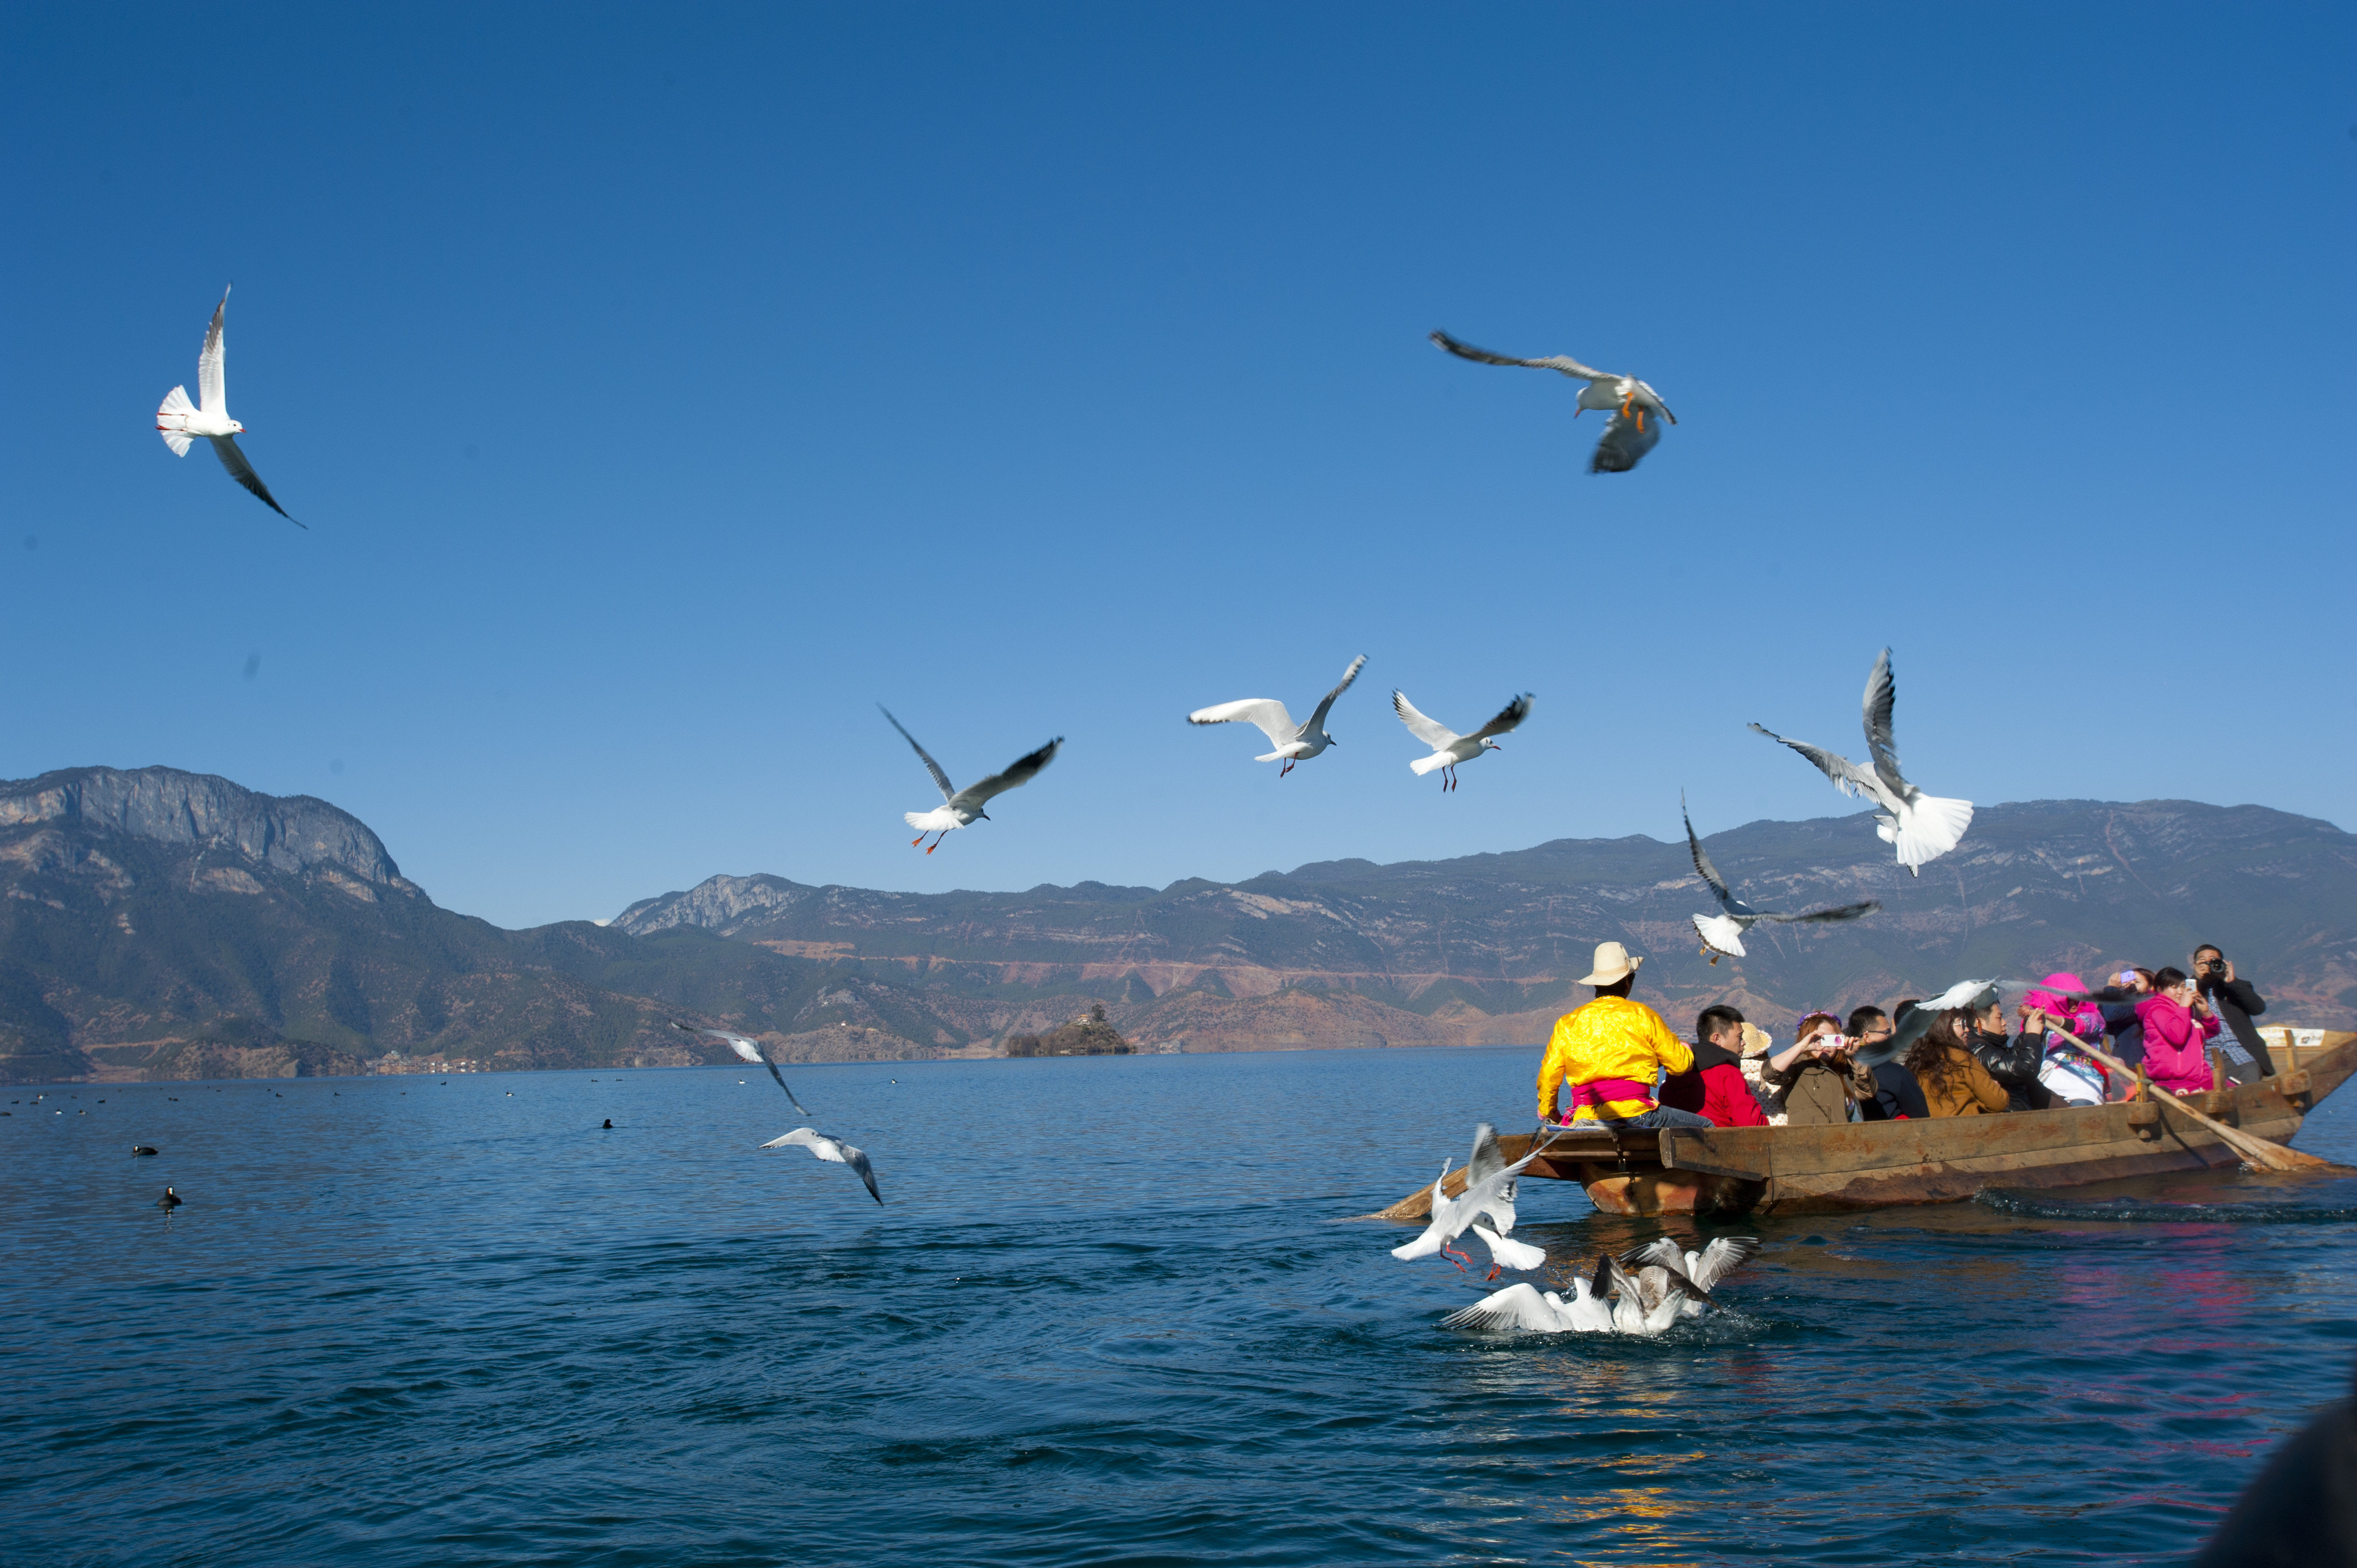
1448	747
750	1049
1294	742
1722	933
1922	827
965	806
180	422
1628	436
1663	1263
1489	1189
1524	1306
830	1149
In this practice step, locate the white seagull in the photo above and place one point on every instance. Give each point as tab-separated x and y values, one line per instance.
1632	1313
1507	1254
180	422
1661	1263
1626	436
1294	742
1448	747
1922	827
1722	933
750	1050
964	806
834	1149
1489	1189
1525	1307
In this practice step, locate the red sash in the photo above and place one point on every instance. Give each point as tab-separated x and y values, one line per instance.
1599	1092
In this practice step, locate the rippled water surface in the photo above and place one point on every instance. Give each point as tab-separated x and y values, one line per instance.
1111	1312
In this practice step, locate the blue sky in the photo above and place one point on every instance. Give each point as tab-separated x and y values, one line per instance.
666	387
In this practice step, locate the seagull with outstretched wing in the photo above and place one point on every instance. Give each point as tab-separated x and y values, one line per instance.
1626	436
1448	747
1294	742
830	1149
1921	827
963	807
1723	932
1525	1307
179	422
750	1049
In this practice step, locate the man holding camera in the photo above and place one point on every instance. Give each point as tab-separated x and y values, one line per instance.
2236	1002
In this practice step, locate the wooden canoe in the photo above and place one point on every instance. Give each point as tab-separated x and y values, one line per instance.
1876	1165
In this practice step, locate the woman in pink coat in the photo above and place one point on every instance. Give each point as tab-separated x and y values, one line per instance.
2178	1025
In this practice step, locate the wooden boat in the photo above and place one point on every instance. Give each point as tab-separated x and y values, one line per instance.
1875	1165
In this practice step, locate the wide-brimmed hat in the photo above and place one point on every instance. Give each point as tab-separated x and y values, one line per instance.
1613	965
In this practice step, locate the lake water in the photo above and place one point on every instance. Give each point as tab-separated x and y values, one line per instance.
1110	1314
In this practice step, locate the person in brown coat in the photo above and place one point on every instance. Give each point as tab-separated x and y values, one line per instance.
1810	1078
1954	1082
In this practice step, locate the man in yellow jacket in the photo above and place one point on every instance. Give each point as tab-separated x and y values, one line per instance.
1609	1053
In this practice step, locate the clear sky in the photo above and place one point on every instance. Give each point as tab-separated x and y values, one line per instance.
666	386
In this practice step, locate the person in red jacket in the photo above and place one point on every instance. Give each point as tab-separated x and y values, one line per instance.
1714	1088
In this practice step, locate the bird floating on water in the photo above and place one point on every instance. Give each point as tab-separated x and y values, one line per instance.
1922	827
180	422
1448	747
1723	932
137	1149
831	1149
170	1200
1626	435
750	1049
1525	1307
964	806
1294	742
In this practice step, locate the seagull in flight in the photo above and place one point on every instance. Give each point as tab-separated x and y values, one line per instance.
1448	747
180	422
965	806
1489	1189
1922	827
1663	1263
1626	436
831	1149
1722	933
1294	742
750	1050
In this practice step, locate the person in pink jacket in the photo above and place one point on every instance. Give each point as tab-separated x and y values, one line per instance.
2178	1024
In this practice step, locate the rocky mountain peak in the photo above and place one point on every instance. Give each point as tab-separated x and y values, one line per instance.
293	833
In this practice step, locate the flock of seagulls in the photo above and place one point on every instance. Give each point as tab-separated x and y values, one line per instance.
1644	1293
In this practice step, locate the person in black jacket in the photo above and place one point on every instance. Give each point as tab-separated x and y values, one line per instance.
2237	1002
2012	1061
1896	1093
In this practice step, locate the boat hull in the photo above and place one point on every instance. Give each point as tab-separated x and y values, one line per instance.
1878	1165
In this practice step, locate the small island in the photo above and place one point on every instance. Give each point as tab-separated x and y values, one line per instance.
1087	1035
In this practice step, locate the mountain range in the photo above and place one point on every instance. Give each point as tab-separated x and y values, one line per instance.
156	923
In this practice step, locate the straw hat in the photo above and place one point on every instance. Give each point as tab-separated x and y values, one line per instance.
1613	965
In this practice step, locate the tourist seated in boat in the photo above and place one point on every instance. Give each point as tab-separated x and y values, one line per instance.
1758	1044
2068	1075
1884	1090
1714	1088
1609	1053
2013	1061
2236	1002
1811	1076
1954	1082
2117	1002
2178	1028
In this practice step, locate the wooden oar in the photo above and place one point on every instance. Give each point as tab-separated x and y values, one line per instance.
2258	1151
